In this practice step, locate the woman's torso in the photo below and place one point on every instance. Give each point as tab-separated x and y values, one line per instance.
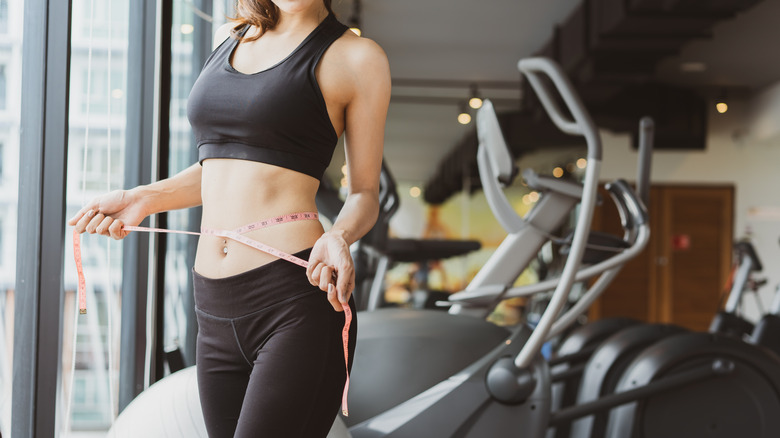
236	192
239	192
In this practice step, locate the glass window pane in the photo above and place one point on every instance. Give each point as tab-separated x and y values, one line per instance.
177	272
4	16
96	144
11	18
189	18
3	89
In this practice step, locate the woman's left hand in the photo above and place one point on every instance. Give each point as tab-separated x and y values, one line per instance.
330	255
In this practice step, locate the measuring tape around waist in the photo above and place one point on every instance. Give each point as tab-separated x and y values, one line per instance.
238	236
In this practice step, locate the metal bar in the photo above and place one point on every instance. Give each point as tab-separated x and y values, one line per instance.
740	282
445	100
582	124
42	181
138	170
774	309
377	286
573	357
645	159
664	384
163	171
570	373
456	83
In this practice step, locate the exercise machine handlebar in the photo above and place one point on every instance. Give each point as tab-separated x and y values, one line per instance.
646	138
582	125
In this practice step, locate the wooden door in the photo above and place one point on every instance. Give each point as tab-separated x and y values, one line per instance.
680	276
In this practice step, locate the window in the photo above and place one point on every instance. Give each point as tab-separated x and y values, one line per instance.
3	87
96	145
10	75
3	16
93	93
100	25
2	230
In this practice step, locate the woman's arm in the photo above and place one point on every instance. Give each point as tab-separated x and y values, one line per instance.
107	214
363	143
368	72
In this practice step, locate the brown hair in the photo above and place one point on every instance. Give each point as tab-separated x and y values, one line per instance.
262	14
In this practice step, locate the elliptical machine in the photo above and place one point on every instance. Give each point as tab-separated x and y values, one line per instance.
612	357
575	348
463	376
609	345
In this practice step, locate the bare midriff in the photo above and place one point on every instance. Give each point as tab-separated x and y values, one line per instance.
239	192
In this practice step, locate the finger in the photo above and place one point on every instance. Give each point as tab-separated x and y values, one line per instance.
310	269
93	224
313	269
349	290
82	223
102	228
346	276
333	299
79	214
116	231
325	275
314	278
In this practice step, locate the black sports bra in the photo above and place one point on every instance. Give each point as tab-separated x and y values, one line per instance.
276	116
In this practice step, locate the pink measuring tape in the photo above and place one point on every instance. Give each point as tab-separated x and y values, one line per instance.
236	235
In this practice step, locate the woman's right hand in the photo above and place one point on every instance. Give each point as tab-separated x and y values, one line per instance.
107	214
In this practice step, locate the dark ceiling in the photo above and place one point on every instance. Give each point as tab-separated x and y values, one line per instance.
664	53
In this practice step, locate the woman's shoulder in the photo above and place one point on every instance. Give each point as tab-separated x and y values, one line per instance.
353	67
358	51
222	33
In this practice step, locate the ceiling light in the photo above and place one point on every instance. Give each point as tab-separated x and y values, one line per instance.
693	67
354	19
720	104
187	29
582	163
464	118
415	192
558	172
475	101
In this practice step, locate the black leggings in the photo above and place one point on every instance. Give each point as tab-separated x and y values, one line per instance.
269	353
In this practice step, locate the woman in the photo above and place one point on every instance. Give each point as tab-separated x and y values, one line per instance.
284	82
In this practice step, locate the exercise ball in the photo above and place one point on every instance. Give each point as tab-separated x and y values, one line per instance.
171	409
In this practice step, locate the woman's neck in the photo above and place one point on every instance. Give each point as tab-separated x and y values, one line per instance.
306	19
